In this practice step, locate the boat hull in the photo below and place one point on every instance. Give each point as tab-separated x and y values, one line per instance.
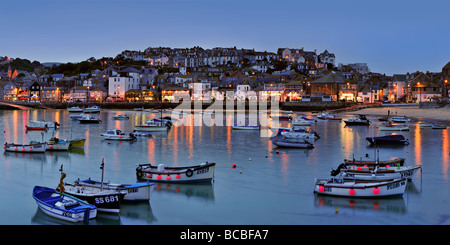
389	173
202	172
290	144
360	189
89	121
59	146
151	128
29	127
357	123
388	140
57	206
106	201
134	192
32	148
245	127
393	162
77	143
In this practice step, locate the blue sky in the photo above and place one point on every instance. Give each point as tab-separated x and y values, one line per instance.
390	36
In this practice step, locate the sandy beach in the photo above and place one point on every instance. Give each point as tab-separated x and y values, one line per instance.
441	115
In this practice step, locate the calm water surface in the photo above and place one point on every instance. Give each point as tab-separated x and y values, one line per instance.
265	188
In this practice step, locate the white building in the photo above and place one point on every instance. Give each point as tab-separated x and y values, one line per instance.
127	79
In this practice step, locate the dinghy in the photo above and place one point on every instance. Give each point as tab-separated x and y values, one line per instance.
63	206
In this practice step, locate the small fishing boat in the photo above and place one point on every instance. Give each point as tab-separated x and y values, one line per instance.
153	125
30	148
141	134
352	188
89	119
361	120
120	117
55	144
392	162
400	119
303	135
388	140
286	143
425	125
438	127
161	173
105	200
35	128
138	108
140	191
327	116
117	134
43	124
281	117
375	172
76	117
92	109
77	143
388	126
245	127
75	109
63	206
301	122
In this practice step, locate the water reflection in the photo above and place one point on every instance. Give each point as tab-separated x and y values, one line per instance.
388	205
203	191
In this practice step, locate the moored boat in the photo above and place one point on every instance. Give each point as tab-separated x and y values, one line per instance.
63	206
281	117
76	117
245	127
140	191
120	117
388	140
33	128
303	144
351	188
361	120
43	124
301	122
438	127
372	173
105	200
30	148
77	143
305	135
75	109
392	162
92	109
400	119
327	116
153	125
161	173
117	134
89	119
55	144
388	126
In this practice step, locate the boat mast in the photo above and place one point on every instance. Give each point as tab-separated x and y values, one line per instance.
102	167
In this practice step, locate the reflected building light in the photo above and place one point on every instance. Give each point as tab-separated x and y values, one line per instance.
445	154
418	147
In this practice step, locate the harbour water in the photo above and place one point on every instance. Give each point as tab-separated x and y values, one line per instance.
265	188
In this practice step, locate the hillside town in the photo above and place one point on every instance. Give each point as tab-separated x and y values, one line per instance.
177	74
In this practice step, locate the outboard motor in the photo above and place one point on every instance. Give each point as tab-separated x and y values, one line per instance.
338	170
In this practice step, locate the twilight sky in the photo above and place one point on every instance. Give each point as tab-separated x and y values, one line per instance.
392	37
